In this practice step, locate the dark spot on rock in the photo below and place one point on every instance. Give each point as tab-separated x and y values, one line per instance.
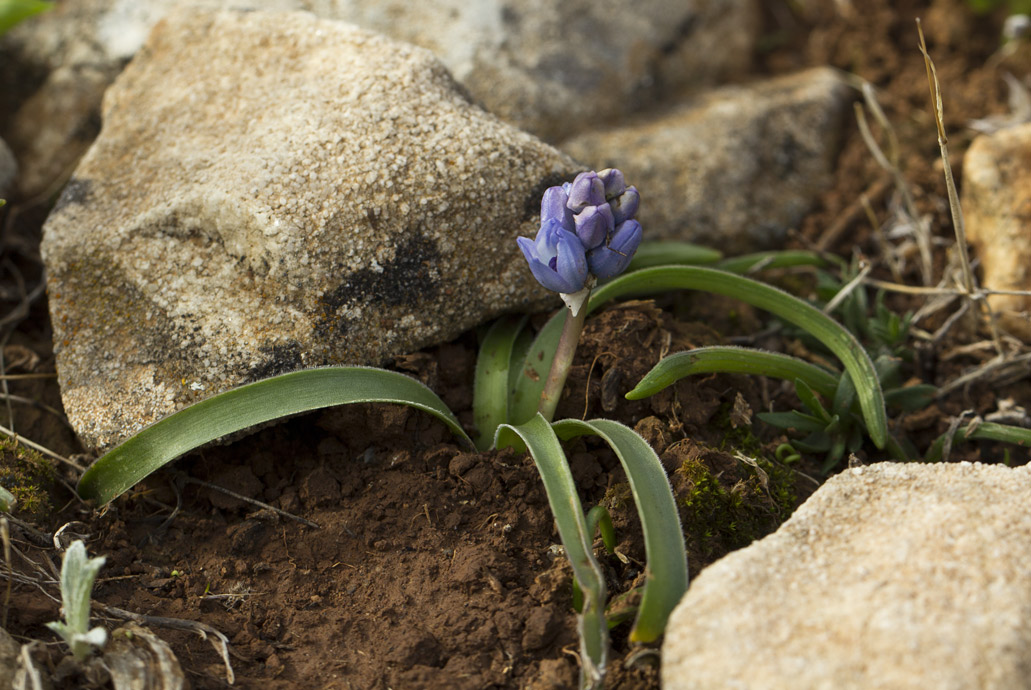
509	16
410	279
279	359
532	202
683	32
77	191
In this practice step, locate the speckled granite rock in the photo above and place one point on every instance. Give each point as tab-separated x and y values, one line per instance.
737	166
272	191
902	576
555	68
547	67
996	200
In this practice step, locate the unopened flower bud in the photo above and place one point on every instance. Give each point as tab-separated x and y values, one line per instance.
587	190
624	207
612	259
614	182
553	205
593	225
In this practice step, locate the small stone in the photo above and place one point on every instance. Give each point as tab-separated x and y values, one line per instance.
996	201
902	576
733	169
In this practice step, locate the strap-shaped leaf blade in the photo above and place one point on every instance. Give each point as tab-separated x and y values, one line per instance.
838	340
664	546
250	405
539	437
733	359
666	252
491	384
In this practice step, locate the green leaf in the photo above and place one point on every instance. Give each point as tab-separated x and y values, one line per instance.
737	360
533	372
550	459
249	405
664	253
776	259
987	431
7	500
664	547
811	402
844	396
911	398
599	520
14	11
838	340
491	386
793	419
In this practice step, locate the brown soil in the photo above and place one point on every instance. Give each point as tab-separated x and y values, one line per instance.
432	567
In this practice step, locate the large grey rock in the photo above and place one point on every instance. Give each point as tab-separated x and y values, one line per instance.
552	68
272	191
734	168
890	576
557	68
996	201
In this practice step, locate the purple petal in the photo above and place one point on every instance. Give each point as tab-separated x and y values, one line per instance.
615	183
587	190
556	258
553	206
611	260
594	224
625	206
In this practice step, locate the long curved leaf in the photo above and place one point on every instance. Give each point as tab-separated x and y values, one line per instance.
666	252
986	431
491	385
565	504
838	340
737	360
249	405
664	546
747	263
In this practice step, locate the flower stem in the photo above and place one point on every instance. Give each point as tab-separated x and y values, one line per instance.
567	343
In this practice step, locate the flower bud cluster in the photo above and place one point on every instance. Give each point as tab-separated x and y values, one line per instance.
587	228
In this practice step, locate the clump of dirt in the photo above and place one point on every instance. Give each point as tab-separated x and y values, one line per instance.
391	557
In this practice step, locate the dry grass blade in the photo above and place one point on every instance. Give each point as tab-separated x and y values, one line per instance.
45	451
5	536
950	182
997	371
890	162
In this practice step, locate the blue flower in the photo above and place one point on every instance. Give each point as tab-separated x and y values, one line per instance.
609	260
586	225
556	257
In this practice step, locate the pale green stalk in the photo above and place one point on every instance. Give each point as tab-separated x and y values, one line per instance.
556	381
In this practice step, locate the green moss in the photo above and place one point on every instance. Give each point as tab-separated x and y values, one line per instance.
727	503
29	477
618	498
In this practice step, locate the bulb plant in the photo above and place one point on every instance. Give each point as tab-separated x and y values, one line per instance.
589	250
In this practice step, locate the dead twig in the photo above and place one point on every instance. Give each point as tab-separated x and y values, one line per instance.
45	451
253	501
969	284
202	629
